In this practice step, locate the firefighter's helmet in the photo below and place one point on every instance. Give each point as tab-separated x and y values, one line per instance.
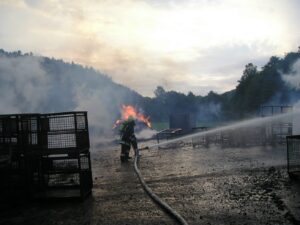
130	120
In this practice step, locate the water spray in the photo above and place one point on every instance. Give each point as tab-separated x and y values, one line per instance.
250	122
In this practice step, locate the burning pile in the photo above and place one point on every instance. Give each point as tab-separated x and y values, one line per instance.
129	111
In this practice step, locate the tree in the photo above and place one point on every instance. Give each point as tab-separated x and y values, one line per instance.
250	70
159	91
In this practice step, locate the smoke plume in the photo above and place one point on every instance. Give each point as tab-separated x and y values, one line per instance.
31	84
23	85
292	78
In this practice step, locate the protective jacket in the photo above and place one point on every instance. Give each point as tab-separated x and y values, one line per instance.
127	135
128	139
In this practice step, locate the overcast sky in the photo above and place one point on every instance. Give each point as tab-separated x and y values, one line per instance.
182	45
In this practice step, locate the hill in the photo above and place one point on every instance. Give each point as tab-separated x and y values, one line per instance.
277	83
30	83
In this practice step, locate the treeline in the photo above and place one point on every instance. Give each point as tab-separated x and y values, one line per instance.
36	84
255	88
30	83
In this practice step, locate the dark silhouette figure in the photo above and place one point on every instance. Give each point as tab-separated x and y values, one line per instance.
128	139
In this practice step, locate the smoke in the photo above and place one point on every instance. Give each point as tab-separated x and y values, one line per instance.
23	84
209	112
146	134
246	124
31	84
292	78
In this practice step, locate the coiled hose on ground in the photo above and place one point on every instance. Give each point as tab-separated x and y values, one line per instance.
154	197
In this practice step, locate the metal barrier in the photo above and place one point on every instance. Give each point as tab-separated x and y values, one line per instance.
18	138
293	155
268	134
46	155
168	134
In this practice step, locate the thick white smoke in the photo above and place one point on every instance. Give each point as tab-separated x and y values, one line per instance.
23	85
209	112
293	77
30	84
146	134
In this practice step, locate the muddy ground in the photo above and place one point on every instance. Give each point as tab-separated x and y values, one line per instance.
206	186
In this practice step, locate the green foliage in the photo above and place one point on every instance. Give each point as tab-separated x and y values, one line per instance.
160	125
255	88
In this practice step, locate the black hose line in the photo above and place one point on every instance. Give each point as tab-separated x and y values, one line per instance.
154	197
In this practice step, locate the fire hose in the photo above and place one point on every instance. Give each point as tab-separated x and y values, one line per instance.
152	195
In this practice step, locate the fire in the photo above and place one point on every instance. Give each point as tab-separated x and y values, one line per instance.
130	111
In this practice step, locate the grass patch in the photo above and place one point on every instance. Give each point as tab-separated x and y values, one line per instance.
160	125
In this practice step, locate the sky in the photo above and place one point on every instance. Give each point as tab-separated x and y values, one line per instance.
182	45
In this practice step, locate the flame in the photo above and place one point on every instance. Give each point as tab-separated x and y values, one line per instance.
130	111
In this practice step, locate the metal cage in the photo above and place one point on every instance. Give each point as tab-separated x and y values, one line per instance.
65	176
64	132
42	153
293	154
18	138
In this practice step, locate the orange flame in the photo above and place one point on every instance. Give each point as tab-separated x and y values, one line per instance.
130	111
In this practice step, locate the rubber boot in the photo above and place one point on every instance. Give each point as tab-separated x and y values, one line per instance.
123	158
127	156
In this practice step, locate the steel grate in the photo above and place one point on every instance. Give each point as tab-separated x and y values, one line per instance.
41	151
293	153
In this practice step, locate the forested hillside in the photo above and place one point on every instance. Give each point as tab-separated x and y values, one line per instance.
276	83
30	83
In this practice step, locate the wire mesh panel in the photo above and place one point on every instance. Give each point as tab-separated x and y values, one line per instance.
271	110
65	131
8	132
58	164
11	161
28	135
45	151
293	154
276	131
62	180
280	131
62	173
66	158
86	179
61	141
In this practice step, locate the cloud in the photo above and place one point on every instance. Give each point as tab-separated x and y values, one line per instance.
143	44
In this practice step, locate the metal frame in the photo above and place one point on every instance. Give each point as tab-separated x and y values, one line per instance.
65	141
273	133
293	155
31	143
277	131
168	134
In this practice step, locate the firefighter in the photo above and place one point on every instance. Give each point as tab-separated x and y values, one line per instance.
128	139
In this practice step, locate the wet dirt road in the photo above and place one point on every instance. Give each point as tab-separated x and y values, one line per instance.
206	186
